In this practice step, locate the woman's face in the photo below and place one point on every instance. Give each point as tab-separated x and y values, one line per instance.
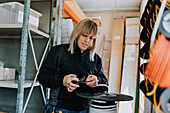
84	42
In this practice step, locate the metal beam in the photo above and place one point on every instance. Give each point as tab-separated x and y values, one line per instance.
51	35
58	22
23	54
71	13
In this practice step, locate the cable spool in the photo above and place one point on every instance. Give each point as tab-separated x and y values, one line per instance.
144	51
162	94
100	106
146	12
103	102
145	35
142	68
165	101
146	86
150	19
164	26
157	68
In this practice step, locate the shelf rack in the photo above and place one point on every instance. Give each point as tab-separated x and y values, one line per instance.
14	84
24	30
16	30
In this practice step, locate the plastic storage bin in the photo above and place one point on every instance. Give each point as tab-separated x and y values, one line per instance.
13	12
7	73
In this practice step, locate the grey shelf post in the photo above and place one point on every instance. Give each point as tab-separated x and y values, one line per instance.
57	28
51	17
58	22
23	53
51	35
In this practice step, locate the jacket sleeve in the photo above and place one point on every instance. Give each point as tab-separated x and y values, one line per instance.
102	78
49	72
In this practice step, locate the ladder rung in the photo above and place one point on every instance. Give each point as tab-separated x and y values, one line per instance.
107	49
105	59
108	39
105	70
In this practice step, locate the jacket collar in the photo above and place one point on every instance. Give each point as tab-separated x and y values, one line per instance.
78	51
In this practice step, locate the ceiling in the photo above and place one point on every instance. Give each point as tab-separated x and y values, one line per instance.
108	5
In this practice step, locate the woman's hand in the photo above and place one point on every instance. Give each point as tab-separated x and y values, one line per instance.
91	81
67	81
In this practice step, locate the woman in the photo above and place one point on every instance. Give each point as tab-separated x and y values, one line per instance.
69	62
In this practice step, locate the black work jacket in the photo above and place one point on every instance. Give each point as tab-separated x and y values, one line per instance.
61	62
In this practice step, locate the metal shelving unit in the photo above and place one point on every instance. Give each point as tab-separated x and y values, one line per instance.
16	30
24	30
13	30
2	1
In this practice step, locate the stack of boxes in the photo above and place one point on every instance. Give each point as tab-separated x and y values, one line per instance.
130	64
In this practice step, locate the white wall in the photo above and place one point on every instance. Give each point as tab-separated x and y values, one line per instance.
105	29
107	24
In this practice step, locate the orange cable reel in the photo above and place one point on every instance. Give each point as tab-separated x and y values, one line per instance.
158	66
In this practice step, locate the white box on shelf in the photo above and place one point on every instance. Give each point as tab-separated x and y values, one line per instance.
13	12
1	73
9	73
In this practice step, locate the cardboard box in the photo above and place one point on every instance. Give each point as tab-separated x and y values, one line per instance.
33	20
116	56
7	73
132	31
129	77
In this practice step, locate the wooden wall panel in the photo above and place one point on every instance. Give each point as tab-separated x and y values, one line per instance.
116	56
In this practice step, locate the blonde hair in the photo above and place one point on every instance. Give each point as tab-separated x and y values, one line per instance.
85	27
